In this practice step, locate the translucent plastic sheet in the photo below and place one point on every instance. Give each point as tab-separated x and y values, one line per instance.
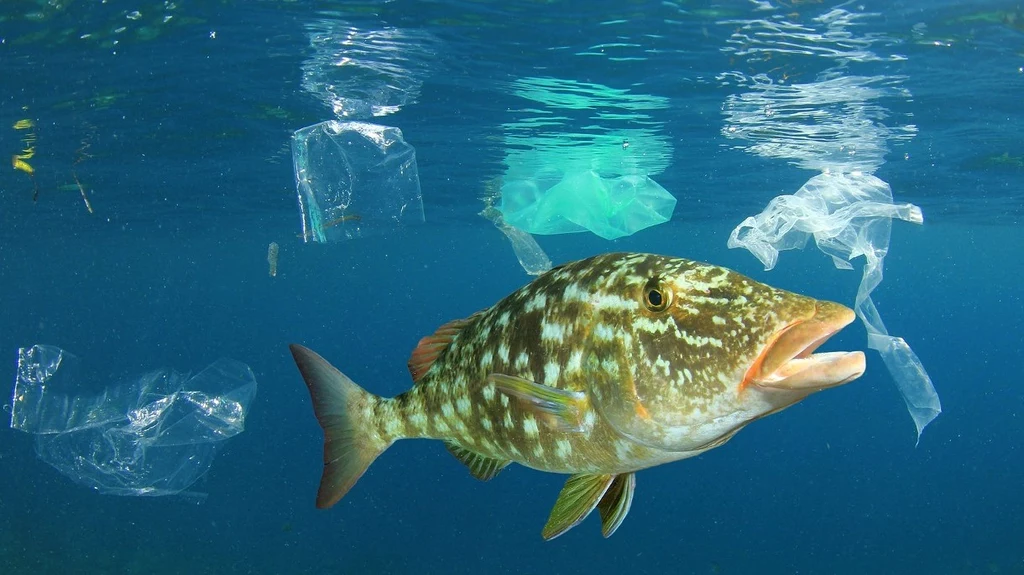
581	157
354	179
906	369
848	215
528	251
609	207
154	435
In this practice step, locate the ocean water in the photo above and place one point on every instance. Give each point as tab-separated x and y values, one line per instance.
174	119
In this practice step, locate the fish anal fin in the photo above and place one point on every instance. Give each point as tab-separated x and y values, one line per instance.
558	408
615	503
482	467
577	499
430	347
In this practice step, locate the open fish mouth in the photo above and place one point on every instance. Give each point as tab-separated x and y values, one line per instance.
789	362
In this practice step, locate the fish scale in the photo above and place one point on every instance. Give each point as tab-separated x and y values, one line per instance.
597	369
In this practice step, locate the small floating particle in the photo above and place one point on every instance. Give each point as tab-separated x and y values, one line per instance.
272	250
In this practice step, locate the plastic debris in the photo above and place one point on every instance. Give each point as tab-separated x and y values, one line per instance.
357	179
906	369
154	435
272	253
609	207
835	122
848	215
528	251
354	179
583	161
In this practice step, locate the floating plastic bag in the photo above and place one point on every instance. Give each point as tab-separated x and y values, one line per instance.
580	157
354	179
154	435
609	207
848	215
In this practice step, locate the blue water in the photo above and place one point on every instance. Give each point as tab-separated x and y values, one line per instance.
184	124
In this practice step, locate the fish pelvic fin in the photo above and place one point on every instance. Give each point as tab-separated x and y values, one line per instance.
580	495
353	437
615	503
612	495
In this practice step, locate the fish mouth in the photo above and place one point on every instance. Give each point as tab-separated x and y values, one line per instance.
789	363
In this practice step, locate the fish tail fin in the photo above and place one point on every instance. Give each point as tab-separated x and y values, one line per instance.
353	437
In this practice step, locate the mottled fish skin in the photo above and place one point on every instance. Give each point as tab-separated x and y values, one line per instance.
584	327
598	368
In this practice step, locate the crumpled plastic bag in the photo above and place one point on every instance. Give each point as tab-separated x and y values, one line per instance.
848	215
153	435
580	156
610	207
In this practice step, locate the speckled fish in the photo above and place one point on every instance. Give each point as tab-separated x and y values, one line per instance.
598	368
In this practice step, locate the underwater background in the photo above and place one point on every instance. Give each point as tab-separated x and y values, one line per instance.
161	169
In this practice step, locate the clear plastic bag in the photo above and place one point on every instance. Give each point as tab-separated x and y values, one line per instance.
848	215
354	179
153	435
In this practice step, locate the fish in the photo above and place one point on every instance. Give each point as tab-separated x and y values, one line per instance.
597	369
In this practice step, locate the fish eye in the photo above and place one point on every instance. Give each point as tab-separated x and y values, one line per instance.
657	297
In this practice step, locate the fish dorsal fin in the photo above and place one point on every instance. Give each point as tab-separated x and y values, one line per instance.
483	468
576	500
431	346
614	505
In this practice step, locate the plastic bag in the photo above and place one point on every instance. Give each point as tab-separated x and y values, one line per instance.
835	122
154	435
580	157
354	179
848	215
609	207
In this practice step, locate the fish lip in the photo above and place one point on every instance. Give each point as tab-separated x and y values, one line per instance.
789	362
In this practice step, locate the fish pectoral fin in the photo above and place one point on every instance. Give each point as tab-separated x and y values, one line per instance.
615	503
558	408
482	467
577	499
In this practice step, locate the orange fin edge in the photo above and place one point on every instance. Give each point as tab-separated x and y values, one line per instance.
430	347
